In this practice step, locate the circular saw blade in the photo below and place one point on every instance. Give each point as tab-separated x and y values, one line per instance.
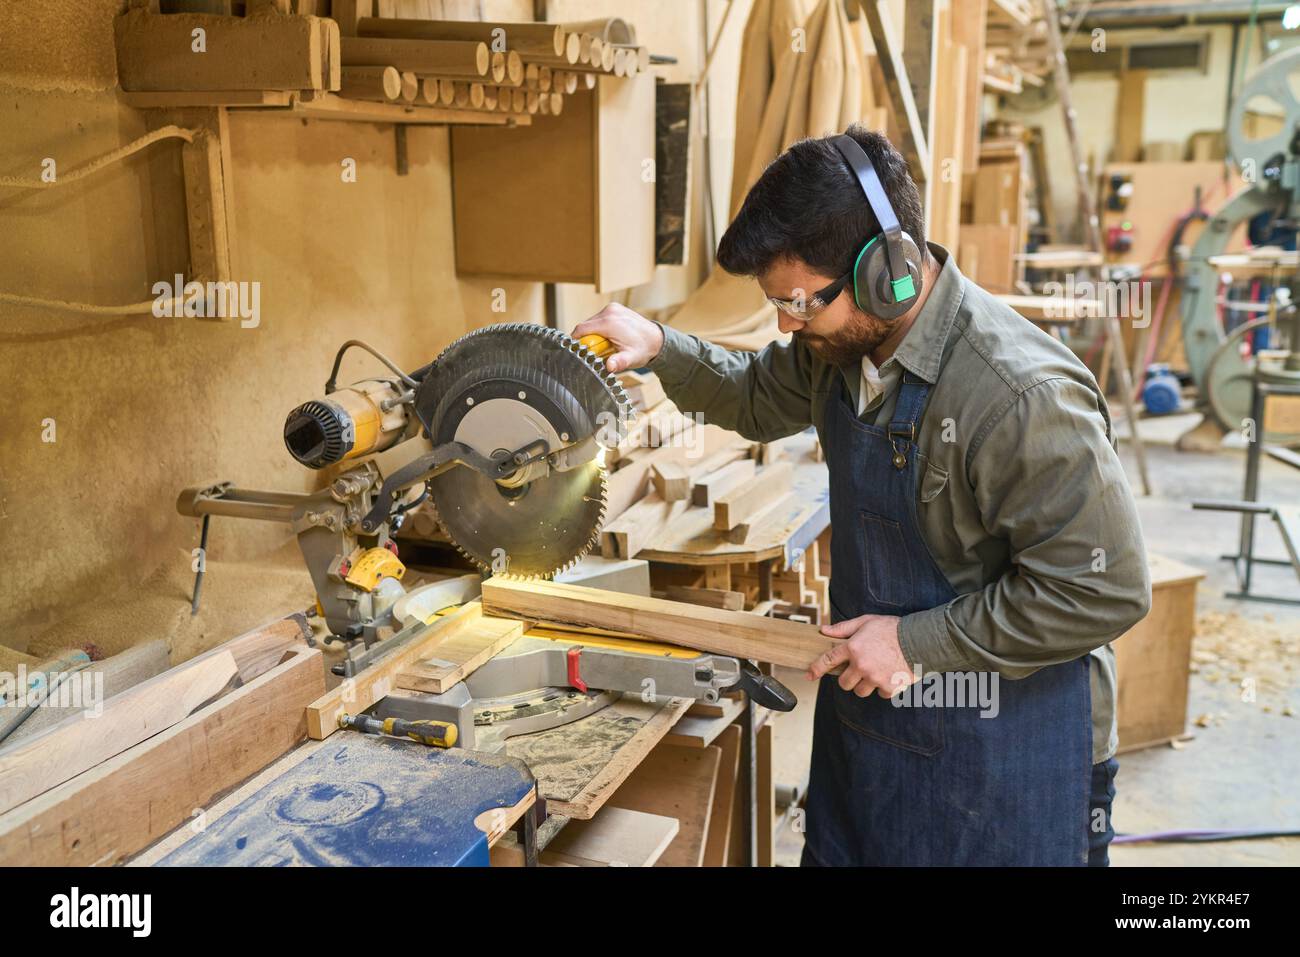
534	535
542	528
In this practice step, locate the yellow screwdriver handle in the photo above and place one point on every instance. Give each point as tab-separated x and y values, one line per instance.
601	346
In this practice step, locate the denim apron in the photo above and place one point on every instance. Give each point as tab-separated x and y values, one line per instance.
937	785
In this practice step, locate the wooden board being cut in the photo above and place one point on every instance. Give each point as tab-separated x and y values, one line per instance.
716	630
461	655
357	694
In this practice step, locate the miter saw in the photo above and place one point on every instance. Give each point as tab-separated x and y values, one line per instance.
503	435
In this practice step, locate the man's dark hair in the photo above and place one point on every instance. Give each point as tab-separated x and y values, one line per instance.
808	205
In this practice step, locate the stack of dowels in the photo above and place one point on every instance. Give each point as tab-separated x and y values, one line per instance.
511	68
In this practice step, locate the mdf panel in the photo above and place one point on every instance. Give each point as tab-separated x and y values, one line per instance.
567	199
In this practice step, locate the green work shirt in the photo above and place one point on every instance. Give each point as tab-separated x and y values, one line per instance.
1022	501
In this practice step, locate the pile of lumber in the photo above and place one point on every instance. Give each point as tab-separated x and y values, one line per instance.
1015	52
670	461
82	792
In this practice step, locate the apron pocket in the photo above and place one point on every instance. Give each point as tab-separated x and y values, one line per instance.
888	573
916	729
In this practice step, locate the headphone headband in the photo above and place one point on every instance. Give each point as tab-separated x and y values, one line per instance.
879	203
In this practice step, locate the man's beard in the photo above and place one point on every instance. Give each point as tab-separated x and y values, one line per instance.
846	346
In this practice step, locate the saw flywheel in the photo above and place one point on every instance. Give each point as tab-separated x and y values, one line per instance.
504	388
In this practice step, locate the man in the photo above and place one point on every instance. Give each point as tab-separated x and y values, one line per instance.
983	531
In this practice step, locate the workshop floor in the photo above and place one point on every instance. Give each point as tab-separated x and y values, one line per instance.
1239	770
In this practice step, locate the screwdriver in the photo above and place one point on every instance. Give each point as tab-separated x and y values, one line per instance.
437	734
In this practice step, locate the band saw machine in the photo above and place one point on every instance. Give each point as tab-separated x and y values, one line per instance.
503	435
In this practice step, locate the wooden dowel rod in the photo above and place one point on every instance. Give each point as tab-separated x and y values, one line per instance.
382	83
439	57
608	29
498	68
539	38
410	86
642	55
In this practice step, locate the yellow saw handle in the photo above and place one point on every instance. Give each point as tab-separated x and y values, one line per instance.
599	345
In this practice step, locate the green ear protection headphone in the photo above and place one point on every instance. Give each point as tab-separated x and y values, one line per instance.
886	276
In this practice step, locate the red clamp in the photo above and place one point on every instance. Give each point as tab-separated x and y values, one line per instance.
575	679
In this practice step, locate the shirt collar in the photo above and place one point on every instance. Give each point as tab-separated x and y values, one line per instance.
921	351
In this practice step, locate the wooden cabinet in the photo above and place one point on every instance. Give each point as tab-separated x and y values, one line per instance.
1154	657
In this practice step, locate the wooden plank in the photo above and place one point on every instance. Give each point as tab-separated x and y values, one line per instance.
616	836
357	694
712	597
724	798
746	501
702	730
624	139
678	783
693	626
716	484
259	650
671	480
122	805
39	763
943	216
968	29
766	810
914	146
628	534
156	52
740	533
1129	114
461	655
987	256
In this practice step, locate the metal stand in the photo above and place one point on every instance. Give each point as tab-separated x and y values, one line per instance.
1287	517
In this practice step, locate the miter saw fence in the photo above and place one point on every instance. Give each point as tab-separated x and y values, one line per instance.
504	434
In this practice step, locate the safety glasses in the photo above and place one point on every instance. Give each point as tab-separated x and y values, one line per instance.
807	308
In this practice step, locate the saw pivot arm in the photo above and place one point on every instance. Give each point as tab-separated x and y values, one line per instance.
496	467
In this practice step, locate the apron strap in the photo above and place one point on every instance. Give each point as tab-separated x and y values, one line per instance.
907	416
